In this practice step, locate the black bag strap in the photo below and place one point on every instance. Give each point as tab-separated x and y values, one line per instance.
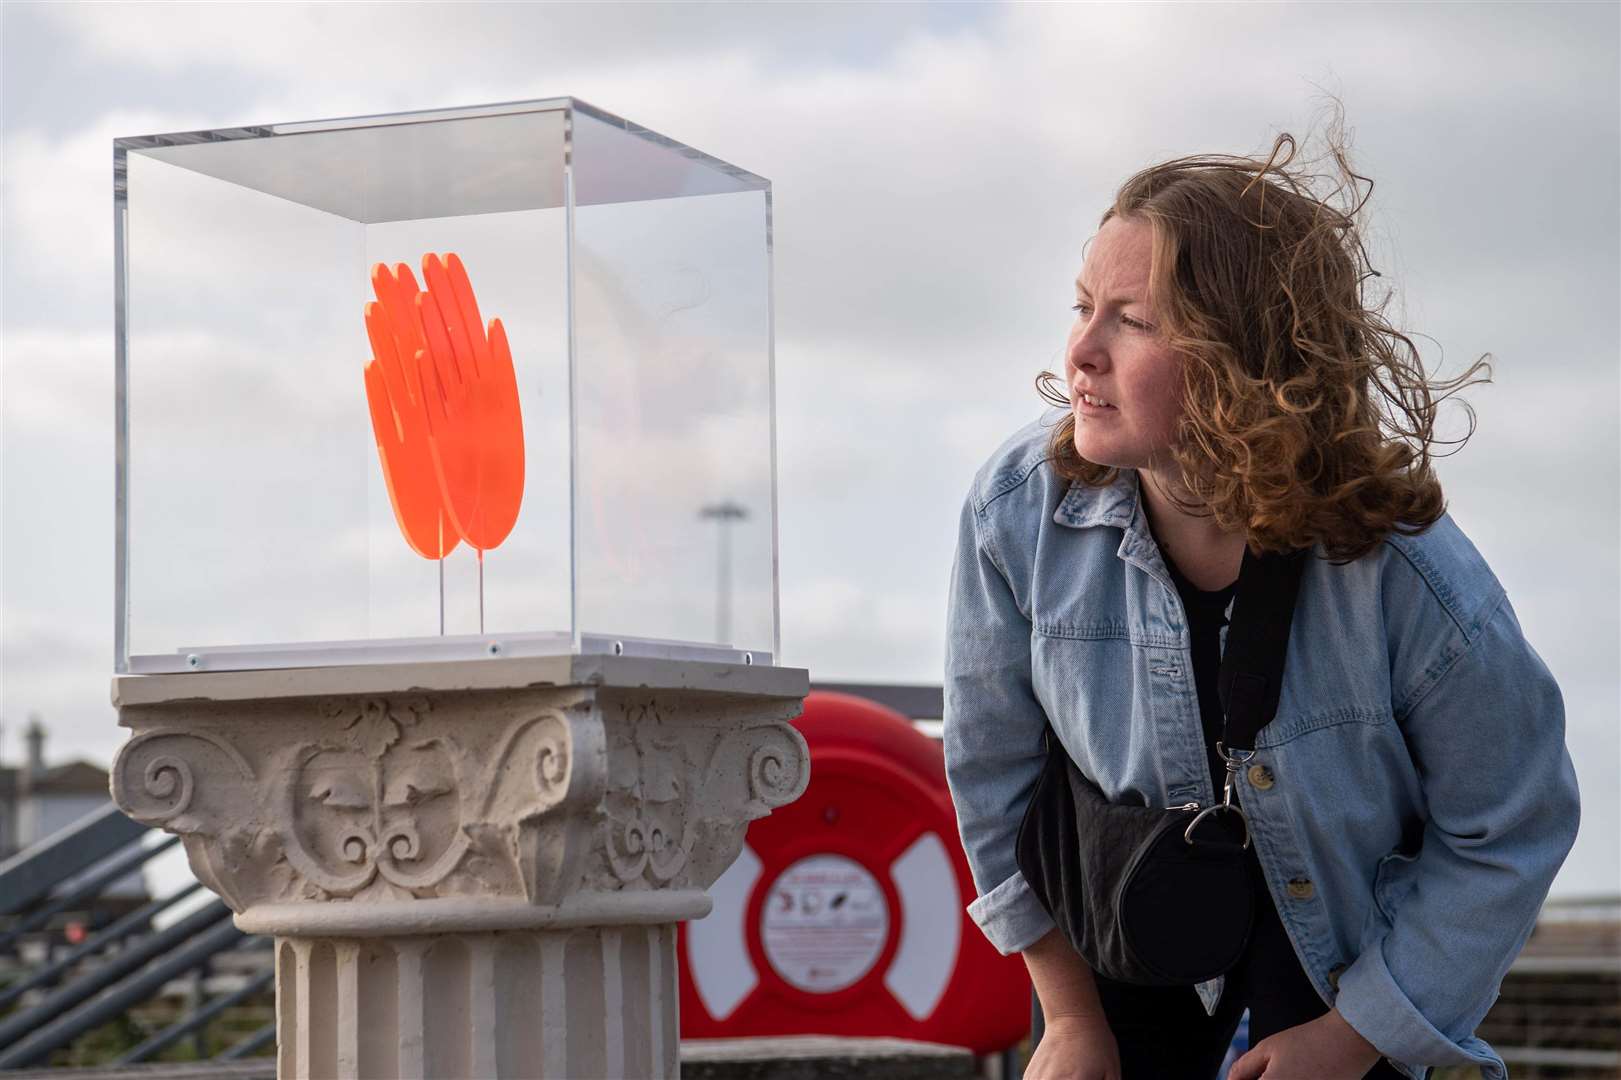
1251	676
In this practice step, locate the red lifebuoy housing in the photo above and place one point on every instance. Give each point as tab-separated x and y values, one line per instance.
845	913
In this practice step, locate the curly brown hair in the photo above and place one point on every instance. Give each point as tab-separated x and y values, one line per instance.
1258	286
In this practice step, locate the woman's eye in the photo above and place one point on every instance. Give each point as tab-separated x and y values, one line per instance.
1082	309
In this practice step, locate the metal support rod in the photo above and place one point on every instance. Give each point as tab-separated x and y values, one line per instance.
185	1026
34	871
134	922
91	886
62	1031
117	966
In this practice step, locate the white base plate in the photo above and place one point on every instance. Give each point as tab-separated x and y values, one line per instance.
303	654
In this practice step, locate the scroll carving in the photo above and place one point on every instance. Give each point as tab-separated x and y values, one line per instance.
680	796
563	763
410	797
197	784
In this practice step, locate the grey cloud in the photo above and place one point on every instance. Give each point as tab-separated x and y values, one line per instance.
934	182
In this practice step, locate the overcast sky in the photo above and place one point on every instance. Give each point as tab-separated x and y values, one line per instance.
936	170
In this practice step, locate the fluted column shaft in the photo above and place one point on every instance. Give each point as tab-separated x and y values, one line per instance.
590	1001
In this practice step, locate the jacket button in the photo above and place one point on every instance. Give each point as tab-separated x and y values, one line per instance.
1301	888
1260	777
1334	975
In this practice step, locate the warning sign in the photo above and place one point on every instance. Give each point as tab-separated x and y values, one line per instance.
824	924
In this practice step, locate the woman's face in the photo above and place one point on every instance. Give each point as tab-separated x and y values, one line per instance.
1114	352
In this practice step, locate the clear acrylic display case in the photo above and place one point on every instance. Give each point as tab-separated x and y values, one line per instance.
258	526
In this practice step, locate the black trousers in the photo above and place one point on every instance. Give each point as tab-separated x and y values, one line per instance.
1165	1034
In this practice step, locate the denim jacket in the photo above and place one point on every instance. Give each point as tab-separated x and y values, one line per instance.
1409	803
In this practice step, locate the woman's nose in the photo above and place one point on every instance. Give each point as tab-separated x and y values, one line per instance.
1086	346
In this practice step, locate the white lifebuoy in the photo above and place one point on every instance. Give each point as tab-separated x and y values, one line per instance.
818	944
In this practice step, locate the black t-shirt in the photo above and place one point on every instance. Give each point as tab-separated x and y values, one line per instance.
1270	975
1206	613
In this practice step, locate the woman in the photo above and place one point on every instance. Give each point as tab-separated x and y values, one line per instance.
1411	800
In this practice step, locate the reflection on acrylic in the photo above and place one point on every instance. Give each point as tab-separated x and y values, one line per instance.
444	411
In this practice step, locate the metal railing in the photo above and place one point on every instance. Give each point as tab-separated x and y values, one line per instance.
118	967
31	874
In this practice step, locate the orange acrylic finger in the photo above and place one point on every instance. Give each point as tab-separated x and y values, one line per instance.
462	289
458	334
440	357
386	358
433	394
506	417
405	453
501	363
397	290
395	294
498	431
385	426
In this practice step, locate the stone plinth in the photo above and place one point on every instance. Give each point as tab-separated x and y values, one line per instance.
472	868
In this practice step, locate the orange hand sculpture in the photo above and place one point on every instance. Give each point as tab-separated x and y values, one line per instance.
475	421
399	420
444	405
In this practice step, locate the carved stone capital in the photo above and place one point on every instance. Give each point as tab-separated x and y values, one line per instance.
458	807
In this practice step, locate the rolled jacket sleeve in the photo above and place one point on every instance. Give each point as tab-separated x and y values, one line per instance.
992	734
1487	734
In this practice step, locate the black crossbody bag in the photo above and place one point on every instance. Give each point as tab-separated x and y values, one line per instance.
1164	897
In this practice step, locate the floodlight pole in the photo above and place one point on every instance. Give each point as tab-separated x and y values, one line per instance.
724	512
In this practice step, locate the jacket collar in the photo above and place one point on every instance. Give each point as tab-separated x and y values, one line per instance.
1116	503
